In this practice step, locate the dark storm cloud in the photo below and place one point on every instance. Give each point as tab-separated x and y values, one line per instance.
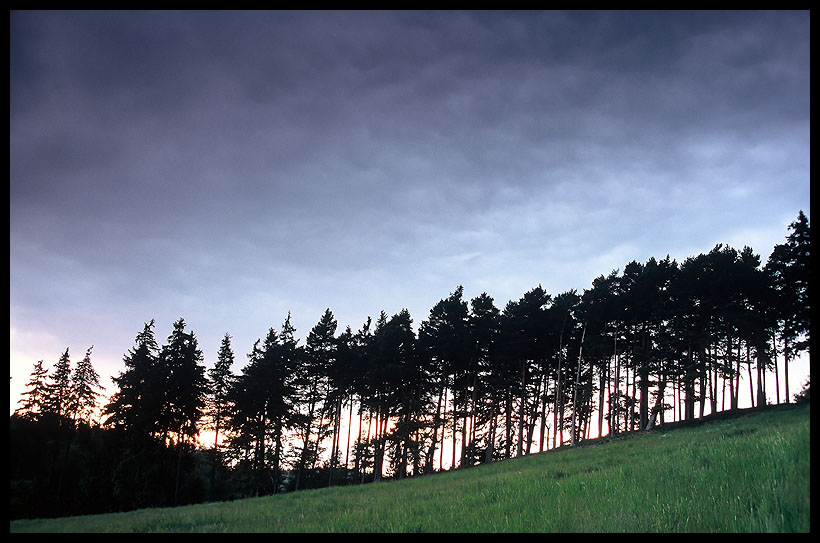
160	161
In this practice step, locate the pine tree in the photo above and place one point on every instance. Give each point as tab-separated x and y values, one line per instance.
220	379
281	359
313	383
185	388
485	328
180	361
445	344
262	401
787	270
59	390
85	384
33	403
137	404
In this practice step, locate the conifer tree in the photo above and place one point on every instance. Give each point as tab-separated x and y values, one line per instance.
85	385
220	380
59	390
185	387
180	362
137	404
313	384
33	403
445	344
787	270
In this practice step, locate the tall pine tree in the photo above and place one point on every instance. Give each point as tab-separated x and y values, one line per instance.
136	405
33	402
59	390
85	386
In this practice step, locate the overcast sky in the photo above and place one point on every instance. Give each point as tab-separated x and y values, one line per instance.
228	168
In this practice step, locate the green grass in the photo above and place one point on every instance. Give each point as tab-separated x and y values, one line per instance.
747	474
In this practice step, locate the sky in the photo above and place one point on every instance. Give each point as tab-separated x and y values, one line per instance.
231	167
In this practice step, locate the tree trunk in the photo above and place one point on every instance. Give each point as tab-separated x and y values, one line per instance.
179	466
617	388
325	409
728	369
378	451
431	452
276	455
601	381
643	410
658	407
751	381
367	443
679	405
349	426
557	410
473	400
508	428
522	408
381	423
558	420
689	391
443	429
762	362
306	438
737	378
577	379
712	378
786	354
336	439
488	455
776	371
465	442
212	478
634	422
533	415
401	461
357	463
643	372
543	417
609	393
455	426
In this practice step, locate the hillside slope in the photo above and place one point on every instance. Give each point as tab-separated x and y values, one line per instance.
749	473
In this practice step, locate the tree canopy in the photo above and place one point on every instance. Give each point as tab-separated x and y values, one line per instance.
657	341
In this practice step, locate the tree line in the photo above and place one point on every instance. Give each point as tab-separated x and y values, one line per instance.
655	342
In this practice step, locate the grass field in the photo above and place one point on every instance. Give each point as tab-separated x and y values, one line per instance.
745	474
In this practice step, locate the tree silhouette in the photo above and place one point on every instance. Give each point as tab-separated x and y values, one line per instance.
34	398
263	405
788	270
444	340
137	404
314	390
220	381
85	387
633	345
485	328
181	362
60	400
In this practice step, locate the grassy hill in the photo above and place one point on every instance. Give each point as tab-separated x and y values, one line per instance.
744	474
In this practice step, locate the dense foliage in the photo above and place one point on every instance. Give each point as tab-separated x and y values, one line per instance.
655	343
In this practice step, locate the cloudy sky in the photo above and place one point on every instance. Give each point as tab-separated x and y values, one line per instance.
228	168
